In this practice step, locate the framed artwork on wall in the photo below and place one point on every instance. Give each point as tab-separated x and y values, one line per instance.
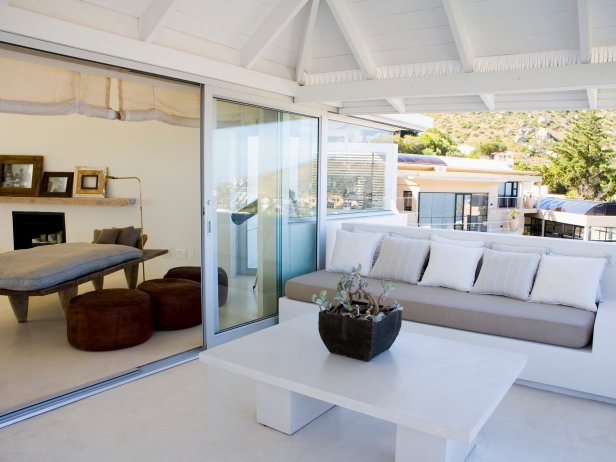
90	181
57	184
20	175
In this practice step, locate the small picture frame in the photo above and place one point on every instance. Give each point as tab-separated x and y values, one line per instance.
90	181
57	184
20	175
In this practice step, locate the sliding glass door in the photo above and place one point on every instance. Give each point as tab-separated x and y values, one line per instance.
262	223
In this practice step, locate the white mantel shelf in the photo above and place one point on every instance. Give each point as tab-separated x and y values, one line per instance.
88	201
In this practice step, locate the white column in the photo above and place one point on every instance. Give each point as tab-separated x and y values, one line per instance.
413	445
286	411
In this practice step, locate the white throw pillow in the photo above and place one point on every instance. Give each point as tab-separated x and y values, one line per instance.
352	249
507	273
571	281
378	246
519	248
401	259
458	242
451	266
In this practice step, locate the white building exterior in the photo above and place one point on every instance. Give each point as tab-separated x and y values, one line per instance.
467	194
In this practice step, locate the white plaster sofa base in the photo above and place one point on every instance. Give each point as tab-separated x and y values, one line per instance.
590	370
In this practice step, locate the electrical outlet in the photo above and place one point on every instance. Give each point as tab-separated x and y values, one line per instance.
180	253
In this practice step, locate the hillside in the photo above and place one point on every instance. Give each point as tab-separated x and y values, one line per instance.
528	135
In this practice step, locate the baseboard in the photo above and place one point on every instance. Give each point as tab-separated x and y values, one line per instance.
565	391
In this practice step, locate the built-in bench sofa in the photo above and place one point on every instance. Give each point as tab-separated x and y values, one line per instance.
568	347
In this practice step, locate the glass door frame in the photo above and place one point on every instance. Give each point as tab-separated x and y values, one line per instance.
209	254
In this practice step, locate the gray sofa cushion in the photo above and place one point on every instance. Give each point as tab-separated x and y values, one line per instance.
46	266
489	314
107	236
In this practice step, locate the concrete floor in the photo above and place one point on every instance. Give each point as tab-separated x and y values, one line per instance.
195	412
37	361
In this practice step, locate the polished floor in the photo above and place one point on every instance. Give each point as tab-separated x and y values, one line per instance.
36	359
241	306
195	412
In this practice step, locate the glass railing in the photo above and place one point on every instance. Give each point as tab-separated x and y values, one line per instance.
508	226
506	202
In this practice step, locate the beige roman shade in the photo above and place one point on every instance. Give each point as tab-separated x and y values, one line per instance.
167	104
38	89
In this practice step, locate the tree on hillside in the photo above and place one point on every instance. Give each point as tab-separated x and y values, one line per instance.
432	142
583	167
486	148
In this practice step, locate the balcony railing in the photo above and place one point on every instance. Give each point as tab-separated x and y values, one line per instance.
507	202
486	227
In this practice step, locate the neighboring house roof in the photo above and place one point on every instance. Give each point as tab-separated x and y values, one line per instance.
460	169
420	159
457	163
580	207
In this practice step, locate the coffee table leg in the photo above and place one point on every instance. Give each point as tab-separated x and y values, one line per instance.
415	445
286	411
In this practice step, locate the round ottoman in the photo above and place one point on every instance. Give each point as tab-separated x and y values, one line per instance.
194	274
176	303
109	319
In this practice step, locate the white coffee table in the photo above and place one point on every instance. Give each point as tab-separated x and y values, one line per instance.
438	392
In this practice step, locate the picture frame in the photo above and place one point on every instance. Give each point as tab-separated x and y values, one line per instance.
89	181
20	175
57	184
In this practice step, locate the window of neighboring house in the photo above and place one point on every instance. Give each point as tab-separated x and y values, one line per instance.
358	162
462	211
563	230
534	228
602	233
408	200
508	195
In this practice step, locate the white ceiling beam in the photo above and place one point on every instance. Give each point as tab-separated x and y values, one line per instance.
460	33
353	37
19	26
304	50
398	104
153	19
489	100
584	31
269	30
576	77
593	97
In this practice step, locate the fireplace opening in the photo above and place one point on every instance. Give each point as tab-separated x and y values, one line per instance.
31	229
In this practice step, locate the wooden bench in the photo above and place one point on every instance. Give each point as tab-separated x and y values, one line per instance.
68	289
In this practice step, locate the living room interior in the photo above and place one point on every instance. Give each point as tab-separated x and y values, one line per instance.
166	159
241	197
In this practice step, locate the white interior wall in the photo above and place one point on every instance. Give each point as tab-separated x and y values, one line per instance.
165	157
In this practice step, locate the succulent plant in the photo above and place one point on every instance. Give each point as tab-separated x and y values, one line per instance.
353	298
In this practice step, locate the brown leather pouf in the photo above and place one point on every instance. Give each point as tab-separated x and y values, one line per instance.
194	274
109	319
176	303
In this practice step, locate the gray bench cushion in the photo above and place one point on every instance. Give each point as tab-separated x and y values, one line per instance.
489	314
46	266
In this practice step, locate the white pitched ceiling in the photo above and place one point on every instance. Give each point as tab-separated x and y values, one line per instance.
370	56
